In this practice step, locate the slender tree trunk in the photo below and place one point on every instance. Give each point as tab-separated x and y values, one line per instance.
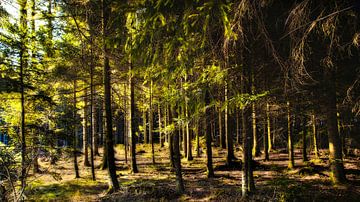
34	139
23	66
237	127
304	153
126	137
145	127
92	112
209	162
196	131
335	157
161	138
229	139
86	133
266	142
170	138
269	140
107	100
166	123
255	145
177	160
76	167
188	134
151	134
221	134
291	163
313	121
132	119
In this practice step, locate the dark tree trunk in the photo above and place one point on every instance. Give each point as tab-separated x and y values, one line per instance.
304	153
86	133
132	121
171	143
177	159
291	163
207	126
76	167
229	139
107	100
335	157
151	124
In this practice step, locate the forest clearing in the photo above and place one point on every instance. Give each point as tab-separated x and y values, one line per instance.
170	100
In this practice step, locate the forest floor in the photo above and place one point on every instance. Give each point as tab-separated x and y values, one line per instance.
274	182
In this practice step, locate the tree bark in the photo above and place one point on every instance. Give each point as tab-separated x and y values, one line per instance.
229	139
161	138
76	167
151	134
335	157
209	163
269	140
291	163
132	120
107	100
304	153
221	134
85	133
313	122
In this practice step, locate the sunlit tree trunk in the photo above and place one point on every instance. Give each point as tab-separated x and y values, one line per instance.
268	127
145	127
221	134
170	138
92	110
131	120
313	122
126	136
266	142
237	127
207	126
23	67
161	138
335	157
85	132
196	131
76	167
107	99
188	134
255	145
151	134
291	163
229	139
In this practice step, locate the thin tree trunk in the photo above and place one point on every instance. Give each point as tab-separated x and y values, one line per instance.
237	127
229	139
126	137
266	142
221	134
209	162
304	153
92	112
23	66
146	138
313	121
107	100
196	131
161	138
76	167
177	159
291	163
151	134
132	119
170	138
255	145
269	140
188	134
85	133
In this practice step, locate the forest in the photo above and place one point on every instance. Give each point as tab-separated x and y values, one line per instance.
179	100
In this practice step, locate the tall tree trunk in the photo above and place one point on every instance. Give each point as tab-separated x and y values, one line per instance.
335	157
151	116
291	163
313	122
132	120
177	159
86	133
255	145
237	127
221	134
107	100
229	139
34	139
126	137
161	138
207	126
76	167
146	138
269	140
188	134
166	122
266	142
196	131
171	143
92	111
304	153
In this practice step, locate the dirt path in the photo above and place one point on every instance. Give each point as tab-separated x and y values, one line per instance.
274	182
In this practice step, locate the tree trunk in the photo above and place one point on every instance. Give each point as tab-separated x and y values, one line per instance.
237	127
291	163
221	134
188	134
335	157
86	133
23	66
170	138
126	137
132	119
269	140
229	139
177	159
92	112
76	167
161	138
266	142
146	138
196	131
151	134
107	100
313	121
304	153
209	163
